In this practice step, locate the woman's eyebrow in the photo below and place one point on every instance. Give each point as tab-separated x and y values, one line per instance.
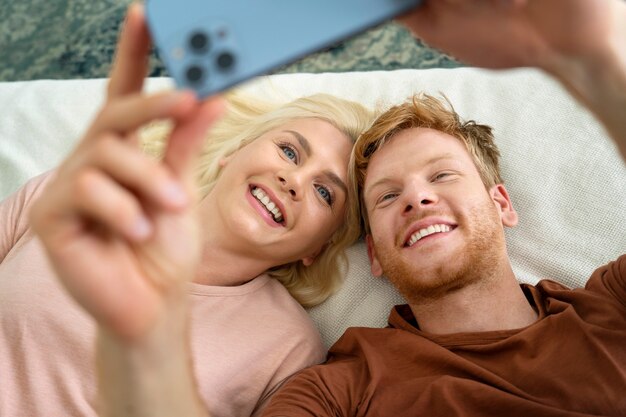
334	178
304	142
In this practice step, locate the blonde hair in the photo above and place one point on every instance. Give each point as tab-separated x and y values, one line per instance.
248	118
425	111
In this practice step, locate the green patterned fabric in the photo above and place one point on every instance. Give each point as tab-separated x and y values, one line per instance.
56	39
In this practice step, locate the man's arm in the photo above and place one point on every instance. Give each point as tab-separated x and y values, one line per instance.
580	42
610	280
601	86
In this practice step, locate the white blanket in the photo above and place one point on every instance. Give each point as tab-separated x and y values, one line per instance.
563	173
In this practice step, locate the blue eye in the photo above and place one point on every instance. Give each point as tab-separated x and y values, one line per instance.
325	193
289	152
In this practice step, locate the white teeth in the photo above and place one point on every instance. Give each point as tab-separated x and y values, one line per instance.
269	204
436	228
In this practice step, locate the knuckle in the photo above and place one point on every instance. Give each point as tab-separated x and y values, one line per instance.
84	182
104	147
154	172
127	211
106	111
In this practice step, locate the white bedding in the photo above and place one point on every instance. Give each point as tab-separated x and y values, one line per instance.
564	175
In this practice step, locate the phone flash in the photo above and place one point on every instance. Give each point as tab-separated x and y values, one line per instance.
178	53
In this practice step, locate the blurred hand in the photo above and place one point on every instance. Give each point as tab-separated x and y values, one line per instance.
513	33
121	229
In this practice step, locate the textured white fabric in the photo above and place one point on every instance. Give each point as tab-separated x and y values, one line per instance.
564	175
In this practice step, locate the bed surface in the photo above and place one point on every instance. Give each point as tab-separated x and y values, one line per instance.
564	175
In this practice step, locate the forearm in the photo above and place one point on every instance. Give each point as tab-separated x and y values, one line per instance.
149	377
599	81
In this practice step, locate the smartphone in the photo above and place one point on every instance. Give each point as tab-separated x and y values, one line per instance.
209	46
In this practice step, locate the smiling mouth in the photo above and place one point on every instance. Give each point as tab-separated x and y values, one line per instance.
427	231
268	204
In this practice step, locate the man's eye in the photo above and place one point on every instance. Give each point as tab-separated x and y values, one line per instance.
325	193
441	176
289	152
388	196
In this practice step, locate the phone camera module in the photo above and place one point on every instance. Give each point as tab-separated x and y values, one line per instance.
199	42
194	74
225	61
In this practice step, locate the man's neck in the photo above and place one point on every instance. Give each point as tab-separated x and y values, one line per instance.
495	302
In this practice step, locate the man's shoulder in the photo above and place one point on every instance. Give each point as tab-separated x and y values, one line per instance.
604	294
613	270
610	279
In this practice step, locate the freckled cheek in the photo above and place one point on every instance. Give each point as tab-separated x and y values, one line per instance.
381	217
378	225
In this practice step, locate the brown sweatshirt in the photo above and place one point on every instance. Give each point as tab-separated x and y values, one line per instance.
570	362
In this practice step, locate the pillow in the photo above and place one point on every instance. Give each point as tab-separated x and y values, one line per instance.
564	175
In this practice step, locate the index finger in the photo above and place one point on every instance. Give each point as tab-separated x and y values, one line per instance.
131	59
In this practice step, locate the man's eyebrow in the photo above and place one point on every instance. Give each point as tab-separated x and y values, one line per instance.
439	158
304	142
334	178
387	179
378	183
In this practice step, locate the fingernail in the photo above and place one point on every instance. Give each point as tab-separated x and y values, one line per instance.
175	194
142	228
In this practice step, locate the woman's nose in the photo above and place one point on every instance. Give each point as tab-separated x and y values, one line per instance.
291	182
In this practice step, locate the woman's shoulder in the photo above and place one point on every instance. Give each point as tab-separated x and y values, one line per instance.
14	209
278	303
264	314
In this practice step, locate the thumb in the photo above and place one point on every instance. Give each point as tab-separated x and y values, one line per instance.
188	136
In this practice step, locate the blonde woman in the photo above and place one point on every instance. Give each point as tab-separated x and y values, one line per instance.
140	248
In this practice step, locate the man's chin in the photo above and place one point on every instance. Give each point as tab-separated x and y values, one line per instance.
428	284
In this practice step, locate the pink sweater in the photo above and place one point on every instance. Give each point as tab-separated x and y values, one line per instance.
245	340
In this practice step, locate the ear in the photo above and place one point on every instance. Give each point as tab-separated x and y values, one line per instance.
308	260
377	269
226	159
501	199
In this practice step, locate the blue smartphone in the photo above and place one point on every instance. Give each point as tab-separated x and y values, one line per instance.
209	46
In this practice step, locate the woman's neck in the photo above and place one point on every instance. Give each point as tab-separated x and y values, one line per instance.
224	267
226	260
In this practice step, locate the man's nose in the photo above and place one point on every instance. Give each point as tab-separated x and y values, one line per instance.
416	197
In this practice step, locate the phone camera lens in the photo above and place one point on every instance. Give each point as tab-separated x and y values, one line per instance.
199	42
225	61
194	74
